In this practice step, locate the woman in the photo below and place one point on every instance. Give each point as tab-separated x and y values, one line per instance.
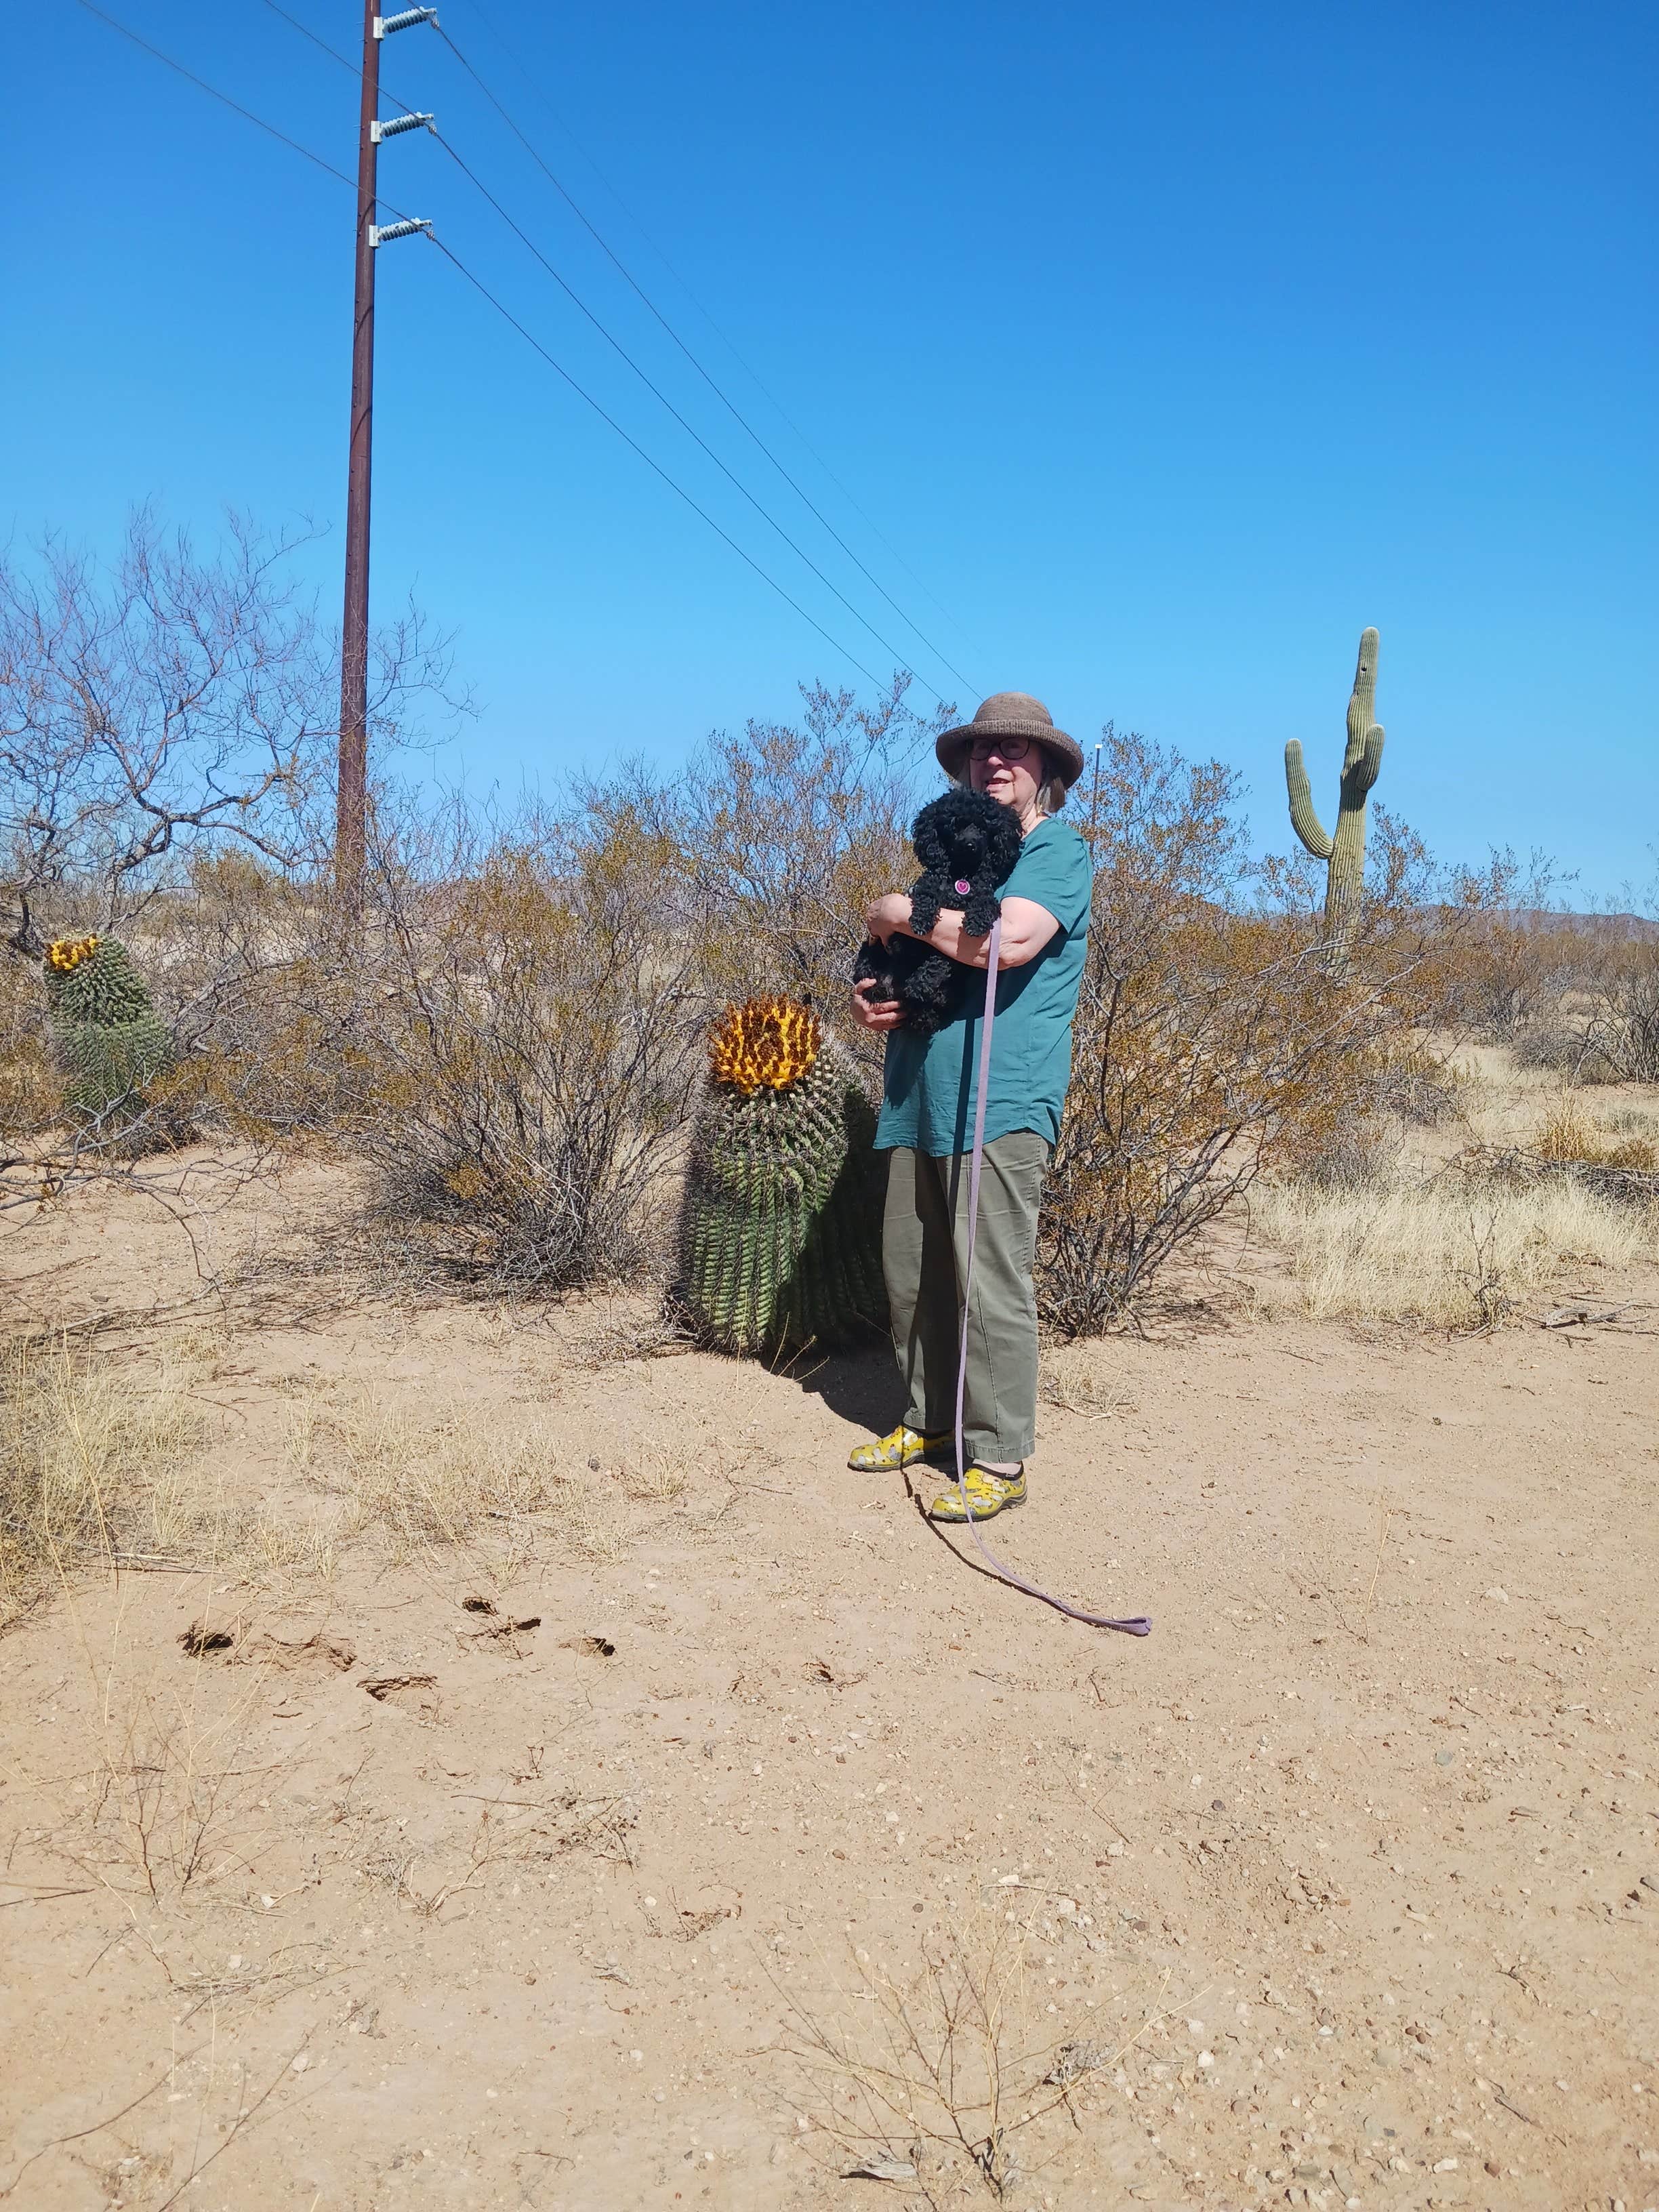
1011	750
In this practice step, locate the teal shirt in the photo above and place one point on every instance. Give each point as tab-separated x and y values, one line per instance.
932	1082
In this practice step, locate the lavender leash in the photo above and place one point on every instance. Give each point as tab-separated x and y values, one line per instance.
1138	1625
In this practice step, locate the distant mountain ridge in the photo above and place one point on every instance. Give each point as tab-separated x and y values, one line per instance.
1614	925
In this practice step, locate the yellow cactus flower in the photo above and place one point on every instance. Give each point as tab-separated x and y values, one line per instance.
765	1042
64	957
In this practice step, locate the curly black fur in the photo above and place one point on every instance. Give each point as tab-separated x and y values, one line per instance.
964	838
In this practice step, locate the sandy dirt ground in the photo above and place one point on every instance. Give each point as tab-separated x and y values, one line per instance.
1341	1888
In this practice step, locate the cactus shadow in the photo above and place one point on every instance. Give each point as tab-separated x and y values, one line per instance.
859	1382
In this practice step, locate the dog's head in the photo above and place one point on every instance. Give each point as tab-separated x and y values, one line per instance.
963	833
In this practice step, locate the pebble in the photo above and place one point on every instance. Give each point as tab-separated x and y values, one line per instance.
1500	1596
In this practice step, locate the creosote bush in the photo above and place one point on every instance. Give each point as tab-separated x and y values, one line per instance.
536	1065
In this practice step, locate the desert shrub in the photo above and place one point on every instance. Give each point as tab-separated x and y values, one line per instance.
1515	956
1554	1042
1412	1080
1356	1151
1214	1037
31	1081
1623	1028
789	831
536	1062
167	701
280	1008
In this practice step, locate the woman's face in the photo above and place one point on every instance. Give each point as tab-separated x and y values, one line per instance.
1011	783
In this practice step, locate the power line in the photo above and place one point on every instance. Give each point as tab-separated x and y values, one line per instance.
657	393
345	62
224	98
730	405
258	121
305	32
753	376
509	316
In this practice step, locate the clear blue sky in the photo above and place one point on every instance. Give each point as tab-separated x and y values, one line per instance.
1169	345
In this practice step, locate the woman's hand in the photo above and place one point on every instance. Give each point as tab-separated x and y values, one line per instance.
883	1016
886	914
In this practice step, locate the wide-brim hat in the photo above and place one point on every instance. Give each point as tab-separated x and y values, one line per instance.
1011	715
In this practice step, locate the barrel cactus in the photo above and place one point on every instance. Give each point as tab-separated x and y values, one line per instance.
781	1229
111	1043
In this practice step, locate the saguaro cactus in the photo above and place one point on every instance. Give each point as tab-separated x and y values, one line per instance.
781	1226
1344	853
110	1040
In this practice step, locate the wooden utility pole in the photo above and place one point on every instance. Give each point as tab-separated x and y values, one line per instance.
350	808
350	795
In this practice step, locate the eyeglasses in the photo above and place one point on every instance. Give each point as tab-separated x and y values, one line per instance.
1008	748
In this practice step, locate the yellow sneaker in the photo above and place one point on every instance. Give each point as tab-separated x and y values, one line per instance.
988	1494
894	1451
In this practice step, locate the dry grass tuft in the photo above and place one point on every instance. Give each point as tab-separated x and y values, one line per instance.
656	1478
94	1463
428	1481
422	1480
1449	1254
1571	1136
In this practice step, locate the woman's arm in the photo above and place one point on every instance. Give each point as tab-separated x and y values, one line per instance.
1026	928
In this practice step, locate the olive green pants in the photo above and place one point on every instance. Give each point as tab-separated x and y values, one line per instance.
924	1252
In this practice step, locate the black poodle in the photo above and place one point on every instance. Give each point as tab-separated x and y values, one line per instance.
967	845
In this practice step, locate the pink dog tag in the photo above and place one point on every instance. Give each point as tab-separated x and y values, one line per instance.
964	888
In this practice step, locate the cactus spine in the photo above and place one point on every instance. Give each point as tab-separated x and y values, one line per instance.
1343	852
780	1225
110	1042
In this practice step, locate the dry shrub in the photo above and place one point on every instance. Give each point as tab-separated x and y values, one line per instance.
952	2075
1623	1029
1416	1082
174	1803
1450	1253
173	700
279	1015
31	1089
1564	1046
535	1088
788	833
1215	1037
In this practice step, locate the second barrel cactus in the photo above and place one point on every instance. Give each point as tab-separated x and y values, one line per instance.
780	1231
111	1042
